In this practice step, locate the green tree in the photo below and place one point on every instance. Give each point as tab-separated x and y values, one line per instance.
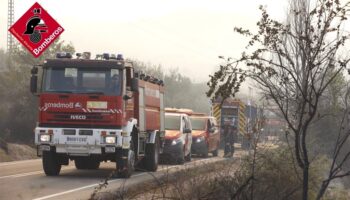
180	91
17	105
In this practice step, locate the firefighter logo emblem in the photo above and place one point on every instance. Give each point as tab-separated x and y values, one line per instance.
35	26
77	105
36	30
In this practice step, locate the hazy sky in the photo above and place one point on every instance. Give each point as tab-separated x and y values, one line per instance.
188	34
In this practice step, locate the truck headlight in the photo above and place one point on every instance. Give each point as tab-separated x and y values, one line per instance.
199	139
110	139
174	142
45	138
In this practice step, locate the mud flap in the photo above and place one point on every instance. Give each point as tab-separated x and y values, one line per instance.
125	163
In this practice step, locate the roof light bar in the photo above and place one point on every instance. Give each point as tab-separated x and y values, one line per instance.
113	57
86	55
63	55
105	56
120	57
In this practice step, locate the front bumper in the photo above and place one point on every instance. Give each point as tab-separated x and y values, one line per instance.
174	151
199	147
80	141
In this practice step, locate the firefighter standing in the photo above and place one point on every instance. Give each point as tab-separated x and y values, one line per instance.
229	132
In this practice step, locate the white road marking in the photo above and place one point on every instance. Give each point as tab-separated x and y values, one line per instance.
29	173
111	181
21	175
17	162
69	191
82	188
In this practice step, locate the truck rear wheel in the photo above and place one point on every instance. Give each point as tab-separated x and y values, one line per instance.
125	167
152	156
94	164
50	163
79	163
215	152
189	157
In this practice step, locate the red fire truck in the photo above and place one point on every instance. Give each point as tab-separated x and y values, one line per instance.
94	110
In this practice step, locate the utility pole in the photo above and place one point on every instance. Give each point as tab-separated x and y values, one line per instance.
10	20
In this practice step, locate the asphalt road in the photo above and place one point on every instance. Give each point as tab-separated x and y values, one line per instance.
26	179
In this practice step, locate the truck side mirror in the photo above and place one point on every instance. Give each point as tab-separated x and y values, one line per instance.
34	70
187	130
34	80
212	130
126	97
135	85
33	83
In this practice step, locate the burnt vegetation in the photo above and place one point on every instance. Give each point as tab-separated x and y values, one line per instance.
294	65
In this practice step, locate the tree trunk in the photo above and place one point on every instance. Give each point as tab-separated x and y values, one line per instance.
305	181
322	190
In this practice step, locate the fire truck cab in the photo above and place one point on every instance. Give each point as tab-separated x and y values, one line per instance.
93	110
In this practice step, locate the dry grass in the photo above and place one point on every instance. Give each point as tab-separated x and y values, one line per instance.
275	178
193	182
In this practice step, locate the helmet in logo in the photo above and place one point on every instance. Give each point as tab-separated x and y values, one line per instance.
78	105
31	24
35	26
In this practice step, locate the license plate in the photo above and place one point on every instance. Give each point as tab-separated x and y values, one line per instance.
45	148
76	140
109	149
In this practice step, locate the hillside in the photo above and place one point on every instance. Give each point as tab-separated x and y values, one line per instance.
17	152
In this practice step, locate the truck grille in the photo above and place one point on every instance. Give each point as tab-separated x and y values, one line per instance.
77	117
85	132
68	131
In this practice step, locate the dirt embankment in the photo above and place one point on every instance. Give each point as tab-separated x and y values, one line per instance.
12	152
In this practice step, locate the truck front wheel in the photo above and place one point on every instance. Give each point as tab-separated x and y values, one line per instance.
181	158
50	163
80	163
152	156
188	158
205	152
215	152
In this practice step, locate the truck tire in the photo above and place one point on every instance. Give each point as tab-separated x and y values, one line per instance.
188	158
205	153
151	159
50	164
181	159
126	167
215	152
80	163
93	164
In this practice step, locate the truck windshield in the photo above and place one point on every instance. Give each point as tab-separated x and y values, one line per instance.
82	80
198	123
172	122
